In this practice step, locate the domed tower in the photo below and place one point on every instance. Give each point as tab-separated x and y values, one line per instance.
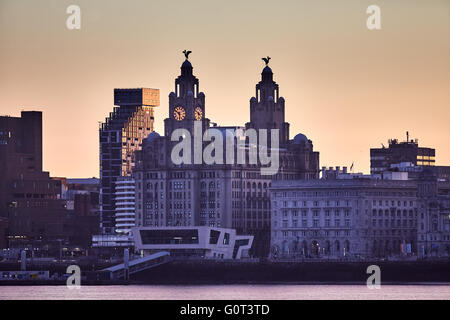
267	107
186	103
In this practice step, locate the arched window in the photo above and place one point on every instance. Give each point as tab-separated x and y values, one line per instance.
347	246
337	246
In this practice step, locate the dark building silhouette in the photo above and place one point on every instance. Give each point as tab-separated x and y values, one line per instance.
381	159
3	232
218	195
267	108
29	198
120	135
82	197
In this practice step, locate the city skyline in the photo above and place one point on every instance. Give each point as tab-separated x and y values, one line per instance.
331	78
197	150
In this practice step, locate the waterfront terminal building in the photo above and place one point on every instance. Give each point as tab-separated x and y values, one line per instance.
192	242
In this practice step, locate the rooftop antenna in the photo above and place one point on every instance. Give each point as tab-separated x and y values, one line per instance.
407	136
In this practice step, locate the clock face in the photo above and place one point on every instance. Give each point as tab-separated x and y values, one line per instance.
198	113
179	113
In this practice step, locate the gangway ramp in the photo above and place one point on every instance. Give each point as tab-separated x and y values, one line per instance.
120	271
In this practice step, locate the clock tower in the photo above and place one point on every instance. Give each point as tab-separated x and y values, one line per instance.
267	107
186	103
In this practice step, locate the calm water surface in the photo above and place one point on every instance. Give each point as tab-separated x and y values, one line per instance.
228	292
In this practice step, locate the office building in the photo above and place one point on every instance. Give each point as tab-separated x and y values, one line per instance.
347	217
397	152
29	198
82	198
233	196
442	173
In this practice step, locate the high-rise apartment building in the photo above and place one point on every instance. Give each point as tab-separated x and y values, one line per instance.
125	204
120	136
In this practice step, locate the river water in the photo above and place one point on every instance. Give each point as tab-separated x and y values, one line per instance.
228	292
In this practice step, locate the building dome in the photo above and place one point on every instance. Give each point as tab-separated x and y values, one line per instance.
267	70
267	74
153	136
299	138
186	64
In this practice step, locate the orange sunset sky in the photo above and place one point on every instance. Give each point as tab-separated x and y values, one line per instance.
347	88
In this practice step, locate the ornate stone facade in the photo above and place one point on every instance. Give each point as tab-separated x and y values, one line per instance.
218	195
338	218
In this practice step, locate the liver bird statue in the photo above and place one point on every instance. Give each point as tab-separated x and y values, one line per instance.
266	60
186	53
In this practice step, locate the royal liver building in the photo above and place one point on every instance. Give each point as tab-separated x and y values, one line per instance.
228	195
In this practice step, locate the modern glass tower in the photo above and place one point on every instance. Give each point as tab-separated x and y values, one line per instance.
120	136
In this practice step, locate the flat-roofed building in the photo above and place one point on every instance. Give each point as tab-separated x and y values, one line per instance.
29	199
194	242
338	218
381	159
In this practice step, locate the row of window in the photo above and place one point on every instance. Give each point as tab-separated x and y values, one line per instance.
400	223
335	233
315	212
340	194
306	203
315	223
392	203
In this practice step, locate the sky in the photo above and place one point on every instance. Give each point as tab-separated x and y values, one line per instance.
347	88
